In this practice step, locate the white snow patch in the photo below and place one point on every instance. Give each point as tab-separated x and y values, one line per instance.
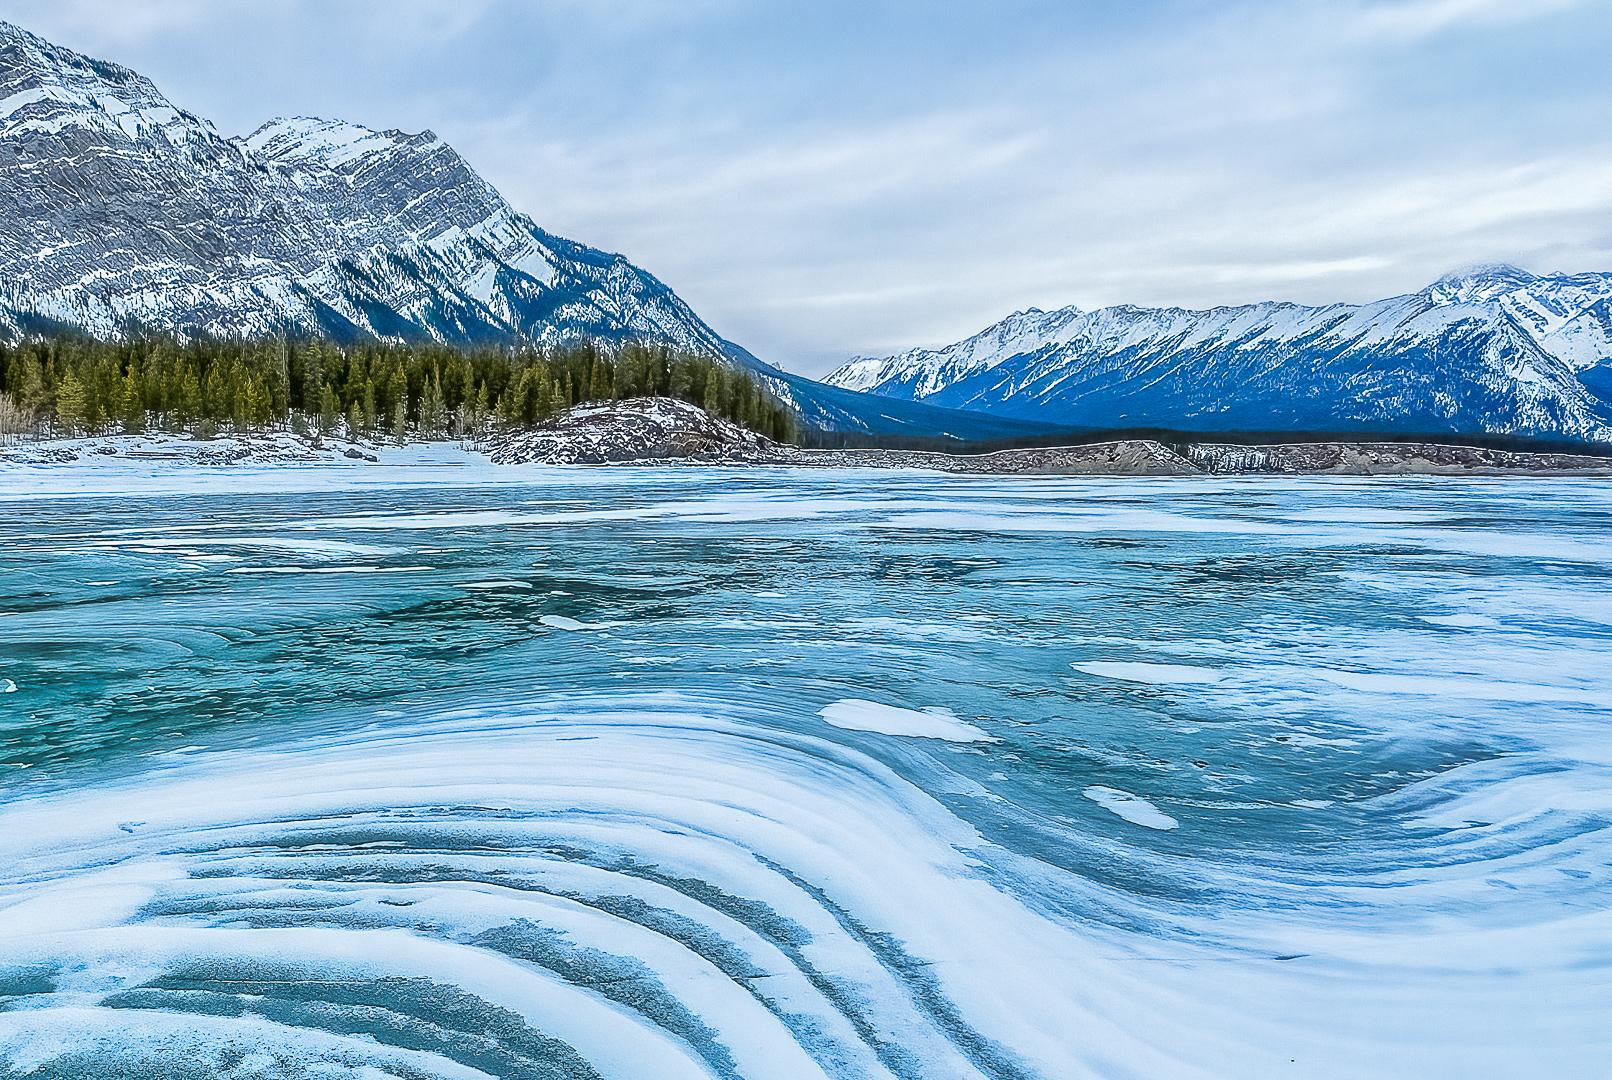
1464	622
854	714
1133	808
562	622
1469	687
328	569
1138	672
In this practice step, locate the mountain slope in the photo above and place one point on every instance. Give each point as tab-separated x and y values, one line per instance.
132	213
129	214
1494	349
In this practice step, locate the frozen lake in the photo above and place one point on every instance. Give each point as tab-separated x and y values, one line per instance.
460	772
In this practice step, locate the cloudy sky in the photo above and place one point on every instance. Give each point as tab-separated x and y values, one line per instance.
828	177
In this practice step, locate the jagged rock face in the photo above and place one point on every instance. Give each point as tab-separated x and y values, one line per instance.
1494	349
127	212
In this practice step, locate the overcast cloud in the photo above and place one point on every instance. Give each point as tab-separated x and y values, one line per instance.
832	177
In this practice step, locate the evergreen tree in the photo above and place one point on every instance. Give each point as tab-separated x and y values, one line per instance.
712	402
71	404
680	382
188	403
145	383
133	410
598	382
29	387
432	406
329	409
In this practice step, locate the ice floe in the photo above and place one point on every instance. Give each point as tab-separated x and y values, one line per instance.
565	622
1138	672
1133	808
1462	621
854	714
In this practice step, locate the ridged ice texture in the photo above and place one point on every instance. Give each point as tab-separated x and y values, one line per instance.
457	772
1495	349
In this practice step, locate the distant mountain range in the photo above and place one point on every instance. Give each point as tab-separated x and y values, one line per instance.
127	214
1494	349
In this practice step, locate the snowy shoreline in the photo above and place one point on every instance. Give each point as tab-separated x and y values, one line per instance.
664	432
266	448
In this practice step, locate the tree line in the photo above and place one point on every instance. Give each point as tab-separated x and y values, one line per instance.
73	385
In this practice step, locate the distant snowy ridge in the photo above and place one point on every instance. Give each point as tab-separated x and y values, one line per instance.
1491	349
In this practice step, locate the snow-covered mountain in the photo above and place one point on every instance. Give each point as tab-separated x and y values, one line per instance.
125	213
128	212
1492	349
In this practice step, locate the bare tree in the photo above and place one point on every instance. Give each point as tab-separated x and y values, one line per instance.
14	419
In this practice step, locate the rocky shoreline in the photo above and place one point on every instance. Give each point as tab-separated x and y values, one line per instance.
662	432
1388	458
1144	457
1130	457
264	448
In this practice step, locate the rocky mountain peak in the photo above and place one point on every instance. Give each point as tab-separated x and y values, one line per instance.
1479	284
313	142
46	90
125	212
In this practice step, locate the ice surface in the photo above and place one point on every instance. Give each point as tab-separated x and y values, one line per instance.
302	821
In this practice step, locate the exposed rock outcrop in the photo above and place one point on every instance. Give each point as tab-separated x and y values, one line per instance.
636	431
1127	457
1386	458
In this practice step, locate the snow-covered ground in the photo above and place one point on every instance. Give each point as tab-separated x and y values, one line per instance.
259	448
